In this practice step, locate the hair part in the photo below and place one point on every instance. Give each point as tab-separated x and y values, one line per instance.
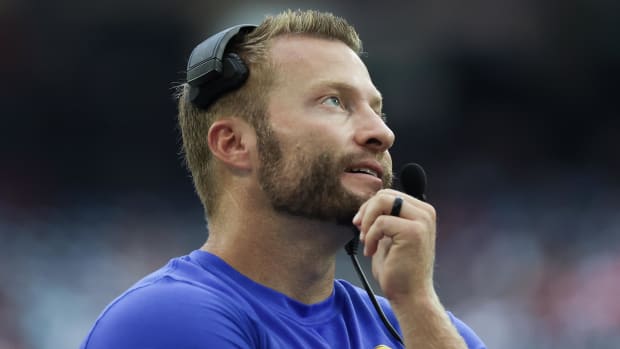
249	102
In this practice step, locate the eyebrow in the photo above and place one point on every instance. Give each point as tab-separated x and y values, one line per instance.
376	100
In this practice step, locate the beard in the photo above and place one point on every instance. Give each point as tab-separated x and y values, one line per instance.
308	185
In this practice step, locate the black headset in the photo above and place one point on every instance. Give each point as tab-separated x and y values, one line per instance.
211	71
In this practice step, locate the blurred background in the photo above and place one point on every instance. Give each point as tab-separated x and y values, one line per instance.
511	106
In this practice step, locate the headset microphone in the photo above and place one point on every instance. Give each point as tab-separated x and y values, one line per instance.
413	180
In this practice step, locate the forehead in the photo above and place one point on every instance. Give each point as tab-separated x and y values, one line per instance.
303	62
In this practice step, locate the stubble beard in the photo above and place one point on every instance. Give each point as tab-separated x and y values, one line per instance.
308	184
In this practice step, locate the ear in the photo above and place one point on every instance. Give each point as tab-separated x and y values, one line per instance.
231	140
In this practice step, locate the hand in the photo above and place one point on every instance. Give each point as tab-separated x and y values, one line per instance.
402	247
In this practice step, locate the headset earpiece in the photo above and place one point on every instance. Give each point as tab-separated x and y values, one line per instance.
211	71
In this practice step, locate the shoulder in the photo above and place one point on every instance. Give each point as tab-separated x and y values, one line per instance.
163	311
358	296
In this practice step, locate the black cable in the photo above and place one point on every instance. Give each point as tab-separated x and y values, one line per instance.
351	248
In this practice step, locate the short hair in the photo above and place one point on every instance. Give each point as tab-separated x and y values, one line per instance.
249	102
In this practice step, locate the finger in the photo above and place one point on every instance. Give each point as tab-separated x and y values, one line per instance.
383	248
378	205
410	199
382	204
389	227
411	208
357	219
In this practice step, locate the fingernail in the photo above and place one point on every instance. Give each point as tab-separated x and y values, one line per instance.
356	217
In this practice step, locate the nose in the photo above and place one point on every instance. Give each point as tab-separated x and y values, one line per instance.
373	133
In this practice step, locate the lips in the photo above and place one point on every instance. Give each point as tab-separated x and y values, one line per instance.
370	168
363	170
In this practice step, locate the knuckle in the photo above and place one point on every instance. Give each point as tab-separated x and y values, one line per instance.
418	228
387	191
380	223
432	212
387	195
421	232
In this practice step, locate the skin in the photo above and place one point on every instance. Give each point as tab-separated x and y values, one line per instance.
324	101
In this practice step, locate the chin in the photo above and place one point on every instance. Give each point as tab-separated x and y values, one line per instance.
363	195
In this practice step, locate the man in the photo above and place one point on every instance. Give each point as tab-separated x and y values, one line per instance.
285	165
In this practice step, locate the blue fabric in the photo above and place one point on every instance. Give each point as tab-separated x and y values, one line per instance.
199	301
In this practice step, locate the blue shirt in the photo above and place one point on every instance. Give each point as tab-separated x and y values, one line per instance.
199	301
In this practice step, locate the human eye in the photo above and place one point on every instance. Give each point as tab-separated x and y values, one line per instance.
333	101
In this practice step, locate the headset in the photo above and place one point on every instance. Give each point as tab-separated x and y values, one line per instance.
212	71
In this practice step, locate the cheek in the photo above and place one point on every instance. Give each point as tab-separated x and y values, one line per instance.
308	143
307	139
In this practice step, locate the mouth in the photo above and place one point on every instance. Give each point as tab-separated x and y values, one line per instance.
369	169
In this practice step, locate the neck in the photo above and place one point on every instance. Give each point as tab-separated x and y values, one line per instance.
295	256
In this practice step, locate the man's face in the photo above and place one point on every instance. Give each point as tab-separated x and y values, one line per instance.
323	149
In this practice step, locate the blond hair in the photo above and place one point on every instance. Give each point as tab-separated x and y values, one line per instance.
249	102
